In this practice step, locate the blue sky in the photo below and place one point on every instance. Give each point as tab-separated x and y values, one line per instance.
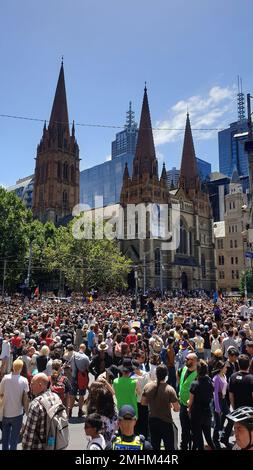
189	52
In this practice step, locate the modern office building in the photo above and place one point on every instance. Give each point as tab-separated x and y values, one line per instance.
125	141
204	168
173	177
24	190
231	143
105	180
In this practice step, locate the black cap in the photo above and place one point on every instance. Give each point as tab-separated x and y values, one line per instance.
127	412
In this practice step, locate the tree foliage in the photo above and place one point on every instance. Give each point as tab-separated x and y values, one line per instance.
86	264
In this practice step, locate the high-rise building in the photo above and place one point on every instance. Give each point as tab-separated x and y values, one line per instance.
173	177
24	190
56	183
125	141
232	154
105	180
204	168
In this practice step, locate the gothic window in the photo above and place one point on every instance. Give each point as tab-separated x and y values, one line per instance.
72	174
59	170
183	239
65	199
190	242
203	266
157	262
65	171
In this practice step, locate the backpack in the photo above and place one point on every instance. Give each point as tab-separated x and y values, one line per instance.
215	345
59	388
57	426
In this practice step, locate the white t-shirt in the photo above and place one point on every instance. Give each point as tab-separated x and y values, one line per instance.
97	440
12	387
6	349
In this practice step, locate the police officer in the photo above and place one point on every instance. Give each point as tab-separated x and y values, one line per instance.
126	439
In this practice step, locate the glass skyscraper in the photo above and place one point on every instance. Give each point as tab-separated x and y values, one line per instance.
106	179
231	149
204	169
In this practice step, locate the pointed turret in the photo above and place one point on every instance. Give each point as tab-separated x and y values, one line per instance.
164	172
73	129
126	173
235	176
189	175
59	114
145	158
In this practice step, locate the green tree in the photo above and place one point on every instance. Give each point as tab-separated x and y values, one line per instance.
249	282
89	264
14	238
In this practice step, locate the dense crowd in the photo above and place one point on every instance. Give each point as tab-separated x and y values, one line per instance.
129	368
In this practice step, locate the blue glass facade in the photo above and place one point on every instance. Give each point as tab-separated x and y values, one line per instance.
231	149
104	180
24	190
204	169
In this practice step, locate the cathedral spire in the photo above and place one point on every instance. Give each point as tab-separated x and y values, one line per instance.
189	176
126	173
145	158
59	113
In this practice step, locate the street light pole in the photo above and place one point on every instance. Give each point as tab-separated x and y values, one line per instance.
29	267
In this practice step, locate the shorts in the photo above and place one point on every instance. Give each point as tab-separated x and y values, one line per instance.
75	390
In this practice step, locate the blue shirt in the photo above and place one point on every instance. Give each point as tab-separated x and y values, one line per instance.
90	338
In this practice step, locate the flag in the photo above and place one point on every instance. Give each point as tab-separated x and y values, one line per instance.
36	292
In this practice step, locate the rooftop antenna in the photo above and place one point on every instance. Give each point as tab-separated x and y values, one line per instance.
240	101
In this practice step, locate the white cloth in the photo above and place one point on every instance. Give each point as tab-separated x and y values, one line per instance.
12	387
6	349
97	440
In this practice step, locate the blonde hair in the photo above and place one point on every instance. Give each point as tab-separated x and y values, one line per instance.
17	365
44	351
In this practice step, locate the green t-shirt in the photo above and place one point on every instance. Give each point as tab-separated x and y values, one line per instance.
125	391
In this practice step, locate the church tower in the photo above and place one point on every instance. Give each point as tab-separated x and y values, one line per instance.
146	190
56	186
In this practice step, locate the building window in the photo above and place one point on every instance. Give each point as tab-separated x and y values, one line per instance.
231	243
183	239
232	260
233	205
203	266
220	244
235	243
221	275
59	170
237	274
233	275
221	260
65	199
157	262
65	171
236	260
72	174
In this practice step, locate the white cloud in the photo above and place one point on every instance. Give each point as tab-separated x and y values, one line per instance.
205	111
108	158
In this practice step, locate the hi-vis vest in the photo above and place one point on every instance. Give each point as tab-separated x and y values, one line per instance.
137	443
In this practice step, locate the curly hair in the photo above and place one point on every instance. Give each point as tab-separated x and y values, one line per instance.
100	400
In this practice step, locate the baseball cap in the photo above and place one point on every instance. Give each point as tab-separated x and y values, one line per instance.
127	412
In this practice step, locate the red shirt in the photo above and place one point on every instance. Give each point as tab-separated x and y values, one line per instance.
16	341
131	339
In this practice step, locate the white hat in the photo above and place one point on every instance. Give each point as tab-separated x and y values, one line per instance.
16	332
108	334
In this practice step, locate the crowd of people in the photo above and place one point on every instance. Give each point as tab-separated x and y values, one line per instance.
129	368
